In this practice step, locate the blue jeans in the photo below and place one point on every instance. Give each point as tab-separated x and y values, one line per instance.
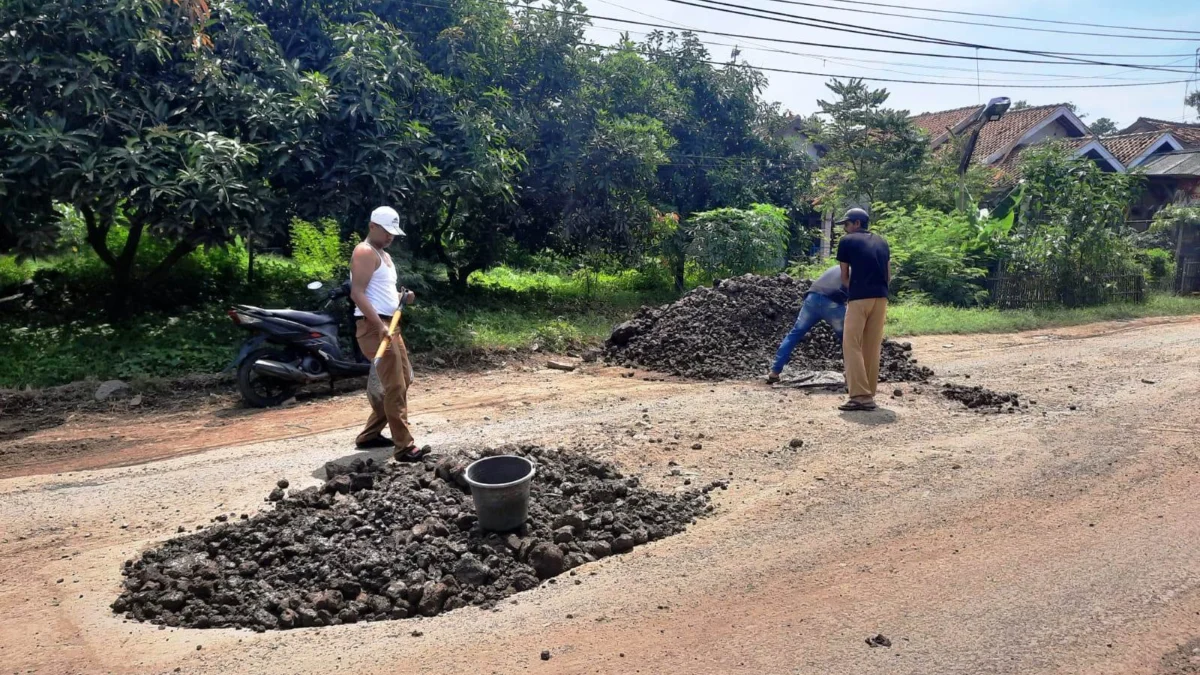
816	308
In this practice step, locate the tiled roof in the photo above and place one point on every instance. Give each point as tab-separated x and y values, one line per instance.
999	135
995	136
1008	167
936	123
1127	147
1188	134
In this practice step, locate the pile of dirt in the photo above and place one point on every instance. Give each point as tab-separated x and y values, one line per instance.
982	399
379	542
733	329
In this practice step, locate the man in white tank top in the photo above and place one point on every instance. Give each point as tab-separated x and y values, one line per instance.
376	299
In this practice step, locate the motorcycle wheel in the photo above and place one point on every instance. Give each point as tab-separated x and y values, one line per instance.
260	391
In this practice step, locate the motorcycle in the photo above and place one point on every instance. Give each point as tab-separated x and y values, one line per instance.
291	349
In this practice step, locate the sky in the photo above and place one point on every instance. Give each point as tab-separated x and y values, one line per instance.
799	93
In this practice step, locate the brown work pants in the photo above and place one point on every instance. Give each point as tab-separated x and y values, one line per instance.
861	343
395	376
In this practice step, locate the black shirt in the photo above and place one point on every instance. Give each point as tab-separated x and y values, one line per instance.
868	256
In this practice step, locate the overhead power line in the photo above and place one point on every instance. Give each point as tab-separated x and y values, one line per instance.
877	65
1012	18
1060	31
825	24
826	45
899	81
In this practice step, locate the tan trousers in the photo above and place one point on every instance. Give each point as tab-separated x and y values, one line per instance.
861	343
395	375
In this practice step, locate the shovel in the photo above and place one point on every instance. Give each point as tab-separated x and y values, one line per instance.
374	384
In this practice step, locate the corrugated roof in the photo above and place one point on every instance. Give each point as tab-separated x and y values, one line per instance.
1186	163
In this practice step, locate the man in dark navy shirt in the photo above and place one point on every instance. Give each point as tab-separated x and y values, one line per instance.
866	272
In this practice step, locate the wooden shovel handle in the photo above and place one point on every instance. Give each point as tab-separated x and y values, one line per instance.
387	339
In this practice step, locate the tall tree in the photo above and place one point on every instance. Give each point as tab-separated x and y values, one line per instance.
1103	126
162	118
873	153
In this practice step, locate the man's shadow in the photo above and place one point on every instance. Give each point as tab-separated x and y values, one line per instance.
872	418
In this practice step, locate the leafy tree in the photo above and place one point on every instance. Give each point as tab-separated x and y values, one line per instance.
874	152
727	242
1193	99
147	118
940	255
1103	126
1071	222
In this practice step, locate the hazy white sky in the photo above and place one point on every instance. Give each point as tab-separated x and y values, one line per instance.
800	93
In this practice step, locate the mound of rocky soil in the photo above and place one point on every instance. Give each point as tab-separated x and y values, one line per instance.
982	399
733	329
379	542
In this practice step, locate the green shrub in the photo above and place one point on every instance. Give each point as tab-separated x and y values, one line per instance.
1159	266
558	335
728	242
319	249
936	256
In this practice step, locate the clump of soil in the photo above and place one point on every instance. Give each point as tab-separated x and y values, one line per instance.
981	399
733	329
379	542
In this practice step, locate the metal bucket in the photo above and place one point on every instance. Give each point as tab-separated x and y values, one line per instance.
500	490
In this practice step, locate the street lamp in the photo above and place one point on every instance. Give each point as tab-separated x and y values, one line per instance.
992	112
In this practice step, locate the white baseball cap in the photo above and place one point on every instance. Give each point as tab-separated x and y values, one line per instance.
387	218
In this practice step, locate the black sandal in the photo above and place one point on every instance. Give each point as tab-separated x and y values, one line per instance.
857	406
411	454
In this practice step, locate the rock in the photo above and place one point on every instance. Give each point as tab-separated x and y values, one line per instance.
470	571
546	560
282	484
333	470
1144	381
899	393
408	546
135	401
112	390
879	641
622	544
731	329
697	446
559	365
545	654
330	601
796	443
361	481
433	598
340	485
276	495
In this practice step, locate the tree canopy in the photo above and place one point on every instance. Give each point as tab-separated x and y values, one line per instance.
487	127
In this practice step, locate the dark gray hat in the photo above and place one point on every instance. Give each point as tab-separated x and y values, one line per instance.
855	214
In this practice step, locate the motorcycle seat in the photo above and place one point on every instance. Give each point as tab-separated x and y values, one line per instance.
303	318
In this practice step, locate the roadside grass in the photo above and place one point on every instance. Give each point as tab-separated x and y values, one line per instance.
505	308
910	319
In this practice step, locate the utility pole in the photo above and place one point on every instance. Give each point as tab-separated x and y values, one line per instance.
992	112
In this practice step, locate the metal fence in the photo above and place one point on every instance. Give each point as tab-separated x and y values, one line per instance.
1018	291
1189	277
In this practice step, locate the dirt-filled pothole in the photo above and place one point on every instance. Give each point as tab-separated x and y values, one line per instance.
982	399
390	541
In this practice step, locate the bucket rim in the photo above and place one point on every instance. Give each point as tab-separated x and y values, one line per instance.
499	486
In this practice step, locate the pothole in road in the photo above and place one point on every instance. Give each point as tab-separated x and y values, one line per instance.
392	541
